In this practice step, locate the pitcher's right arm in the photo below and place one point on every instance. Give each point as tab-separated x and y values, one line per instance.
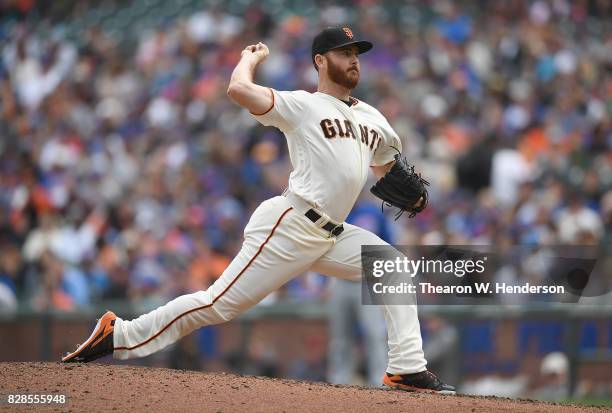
242	90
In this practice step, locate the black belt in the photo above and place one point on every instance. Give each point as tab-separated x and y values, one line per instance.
314	216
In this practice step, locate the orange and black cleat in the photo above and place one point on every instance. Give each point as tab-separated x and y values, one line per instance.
99	343
424	381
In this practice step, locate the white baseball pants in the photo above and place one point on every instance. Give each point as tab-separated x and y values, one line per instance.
279	244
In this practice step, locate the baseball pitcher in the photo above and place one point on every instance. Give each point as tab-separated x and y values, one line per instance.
333	140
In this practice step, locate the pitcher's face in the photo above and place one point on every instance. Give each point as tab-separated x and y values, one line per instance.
343	66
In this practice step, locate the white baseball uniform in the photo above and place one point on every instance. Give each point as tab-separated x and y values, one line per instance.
331	146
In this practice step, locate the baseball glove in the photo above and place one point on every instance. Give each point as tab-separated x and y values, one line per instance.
402	187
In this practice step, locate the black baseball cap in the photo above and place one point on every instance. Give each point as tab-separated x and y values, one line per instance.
335	37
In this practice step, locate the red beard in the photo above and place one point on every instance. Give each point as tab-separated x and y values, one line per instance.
346	78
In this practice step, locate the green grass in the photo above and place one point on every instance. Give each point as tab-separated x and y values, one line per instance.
589	402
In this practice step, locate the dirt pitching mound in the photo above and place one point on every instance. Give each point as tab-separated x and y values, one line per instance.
104	387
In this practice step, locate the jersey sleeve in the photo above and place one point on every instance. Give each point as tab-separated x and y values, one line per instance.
286	111
386	151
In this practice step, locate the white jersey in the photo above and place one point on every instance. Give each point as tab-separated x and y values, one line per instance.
331	146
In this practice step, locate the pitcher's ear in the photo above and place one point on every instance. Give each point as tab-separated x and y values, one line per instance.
318	60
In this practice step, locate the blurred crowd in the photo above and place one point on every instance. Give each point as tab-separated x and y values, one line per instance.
127	173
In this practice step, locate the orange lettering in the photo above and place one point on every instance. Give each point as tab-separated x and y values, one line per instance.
364	134
328	128
340	131
349	129
374	137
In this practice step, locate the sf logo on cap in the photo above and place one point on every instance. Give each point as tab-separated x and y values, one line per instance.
348	32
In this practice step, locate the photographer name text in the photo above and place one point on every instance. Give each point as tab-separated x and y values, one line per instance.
477	288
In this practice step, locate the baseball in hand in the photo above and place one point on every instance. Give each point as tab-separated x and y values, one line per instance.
259	50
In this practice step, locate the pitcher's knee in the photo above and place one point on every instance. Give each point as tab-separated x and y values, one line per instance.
214	316
203	296
227	310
